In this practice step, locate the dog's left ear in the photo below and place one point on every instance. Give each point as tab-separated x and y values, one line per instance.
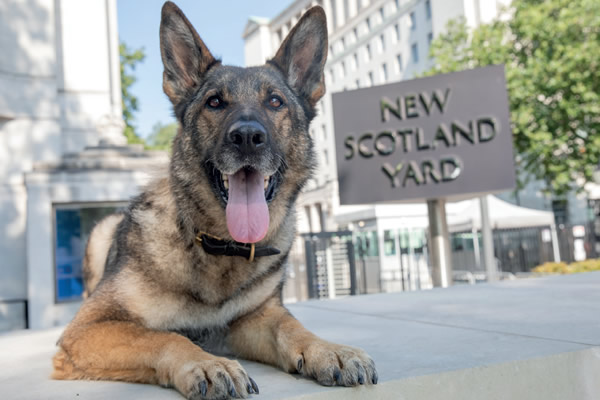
303	53
185	56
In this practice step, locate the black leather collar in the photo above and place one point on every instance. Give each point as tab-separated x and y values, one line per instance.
219	247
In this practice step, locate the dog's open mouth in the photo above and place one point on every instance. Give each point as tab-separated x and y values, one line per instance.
246	194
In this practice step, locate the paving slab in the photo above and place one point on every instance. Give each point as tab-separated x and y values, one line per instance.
526	339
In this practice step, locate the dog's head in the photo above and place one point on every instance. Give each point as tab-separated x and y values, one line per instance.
244	131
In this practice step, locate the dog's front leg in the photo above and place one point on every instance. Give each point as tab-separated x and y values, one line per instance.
127	351
272	335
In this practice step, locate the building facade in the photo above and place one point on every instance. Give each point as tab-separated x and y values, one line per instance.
371	42
63	159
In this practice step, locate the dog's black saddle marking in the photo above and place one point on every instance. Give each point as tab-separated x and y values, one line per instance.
218	247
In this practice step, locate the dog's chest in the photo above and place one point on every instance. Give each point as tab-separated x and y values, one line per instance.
178	310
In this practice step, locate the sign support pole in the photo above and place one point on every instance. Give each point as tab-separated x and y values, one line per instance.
440	244
487	239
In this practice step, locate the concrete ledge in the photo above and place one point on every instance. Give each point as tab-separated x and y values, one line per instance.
526	339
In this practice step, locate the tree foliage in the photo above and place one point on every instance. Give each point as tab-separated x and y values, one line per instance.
129	60
551	52
162	136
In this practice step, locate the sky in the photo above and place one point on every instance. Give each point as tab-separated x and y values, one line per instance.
219	23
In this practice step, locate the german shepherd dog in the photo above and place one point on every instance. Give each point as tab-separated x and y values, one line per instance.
197	260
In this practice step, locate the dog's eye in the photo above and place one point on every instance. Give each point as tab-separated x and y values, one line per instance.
275	102
215	102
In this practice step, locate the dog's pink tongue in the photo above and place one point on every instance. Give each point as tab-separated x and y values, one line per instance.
247	211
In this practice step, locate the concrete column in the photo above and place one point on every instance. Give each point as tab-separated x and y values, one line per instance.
339	12
114	132
352	9
440	245
488	242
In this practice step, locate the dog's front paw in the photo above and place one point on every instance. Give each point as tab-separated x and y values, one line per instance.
332	364
217	378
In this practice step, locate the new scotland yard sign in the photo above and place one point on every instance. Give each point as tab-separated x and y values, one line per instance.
446	136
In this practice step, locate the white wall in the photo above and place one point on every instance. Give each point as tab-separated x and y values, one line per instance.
59	92
44	190
257	46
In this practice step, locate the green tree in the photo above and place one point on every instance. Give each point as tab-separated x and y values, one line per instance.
551	52
161	137
129	60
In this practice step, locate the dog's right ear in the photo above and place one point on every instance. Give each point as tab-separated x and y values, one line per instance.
185	56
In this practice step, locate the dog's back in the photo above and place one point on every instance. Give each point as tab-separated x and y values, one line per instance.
96	251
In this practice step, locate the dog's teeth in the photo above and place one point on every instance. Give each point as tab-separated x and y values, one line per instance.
225	179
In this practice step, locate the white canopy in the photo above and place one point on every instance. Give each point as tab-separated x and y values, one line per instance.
503	215
461	216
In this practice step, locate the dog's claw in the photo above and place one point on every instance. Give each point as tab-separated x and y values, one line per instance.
299	366
254	385
337	375
361	379
249	389
375	378
203	388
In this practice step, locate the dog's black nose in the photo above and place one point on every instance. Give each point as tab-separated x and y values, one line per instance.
248	136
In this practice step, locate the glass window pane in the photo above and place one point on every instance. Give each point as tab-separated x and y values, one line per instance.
73	227
389	243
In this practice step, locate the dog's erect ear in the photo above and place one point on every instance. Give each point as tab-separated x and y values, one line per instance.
184	55
303	53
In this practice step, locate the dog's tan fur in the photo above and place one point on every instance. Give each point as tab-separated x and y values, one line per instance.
154	297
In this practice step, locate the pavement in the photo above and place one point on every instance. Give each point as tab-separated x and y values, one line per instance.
531	339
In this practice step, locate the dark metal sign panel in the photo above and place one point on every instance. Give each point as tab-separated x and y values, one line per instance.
446	136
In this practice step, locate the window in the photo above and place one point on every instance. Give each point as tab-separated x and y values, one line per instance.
382	43
561	211
331	75
366	244
415	53
399	65
355	32
428	9
397	5
355	61
368	21
397	29
413	21
326	157
342	44
389	243
357	82
381	14
72	227
343	74
368	52
384	73
323	132
370	79
429	38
